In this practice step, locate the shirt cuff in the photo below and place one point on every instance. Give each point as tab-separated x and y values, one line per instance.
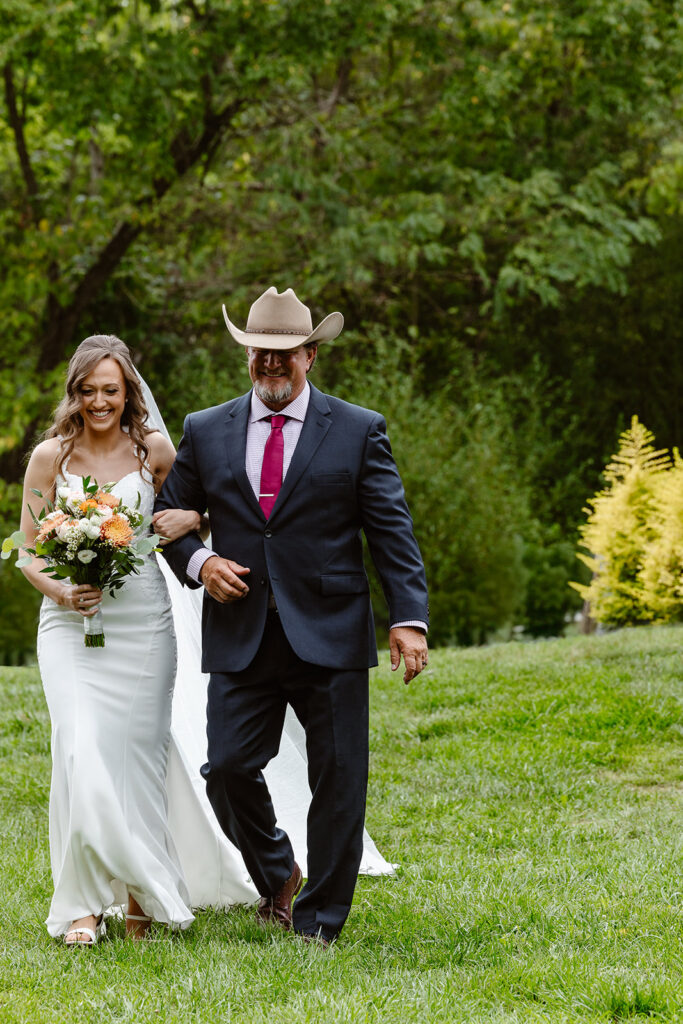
194	566
415	623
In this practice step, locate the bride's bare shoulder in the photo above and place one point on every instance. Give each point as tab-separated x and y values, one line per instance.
158	444
40	472
45	453
161	452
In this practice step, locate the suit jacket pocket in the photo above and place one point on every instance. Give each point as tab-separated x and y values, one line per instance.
344	583
331	479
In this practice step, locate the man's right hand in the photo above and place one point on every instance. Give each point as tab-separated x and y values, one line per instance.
221	577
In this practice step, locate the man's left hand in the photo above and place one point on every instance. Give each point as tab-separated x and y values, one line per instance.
412	644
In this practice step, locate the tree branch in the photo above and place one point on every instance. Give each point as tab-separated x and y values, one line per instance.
17	125
61	322
340	86
214	123
199	15
186	153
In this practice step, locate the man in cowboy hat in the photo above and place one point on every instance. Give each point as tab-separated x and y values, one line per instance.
290	477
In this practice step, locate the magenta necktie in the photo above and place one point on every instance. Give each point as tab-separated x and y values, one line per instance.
271	470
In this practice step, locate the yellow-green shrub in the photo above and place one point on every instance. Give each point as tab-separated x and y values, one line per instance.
662	569
634	535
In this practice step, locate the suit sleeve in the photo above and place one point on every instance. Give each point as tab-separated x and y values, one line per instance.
182	488
388	527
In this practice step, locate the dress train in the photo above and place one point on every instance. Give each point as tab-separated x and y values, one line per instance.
213	867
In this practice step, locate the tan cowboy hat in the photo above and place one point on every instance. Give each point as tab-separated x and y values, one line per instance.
282	321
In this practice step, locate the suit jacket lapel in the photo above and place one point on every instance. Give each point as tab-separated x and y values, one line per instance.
236	444
317	423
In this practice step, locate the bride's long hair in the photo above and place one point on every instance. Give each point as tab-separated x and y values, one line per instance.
68	420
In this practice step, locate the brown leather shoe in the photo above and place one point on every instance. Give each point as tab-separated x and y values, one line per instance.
278	908
314	940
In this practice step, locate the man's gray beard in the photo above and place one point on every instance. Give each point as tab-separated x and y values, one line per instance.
283	393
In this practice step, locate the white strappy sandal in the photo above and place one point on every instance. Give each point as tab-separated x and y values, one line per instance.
93	935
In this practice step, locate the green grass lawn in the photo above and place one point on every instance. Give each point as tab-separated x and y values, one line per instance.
532	795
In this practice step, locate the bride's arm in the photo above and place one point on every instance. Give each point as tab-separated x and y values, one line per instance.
172	523
40	477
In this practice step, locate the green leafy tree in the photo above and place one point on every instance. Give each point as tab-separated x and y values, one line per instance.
458	462
549	562
19	601
503	179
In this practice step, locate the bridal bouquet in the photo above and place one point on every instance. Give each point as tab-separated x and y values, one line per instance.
88	536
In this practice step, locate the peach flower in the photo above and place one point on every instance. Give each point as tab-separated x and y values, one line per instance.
110	500
117	530
49	525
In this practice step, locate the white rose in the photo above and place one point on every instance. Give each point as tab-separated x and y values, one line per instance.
91	528
63	492
64	530
86	556
103	512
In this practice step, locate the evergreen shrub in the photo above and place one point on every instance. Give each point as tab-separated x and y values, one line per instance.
634	535
549	561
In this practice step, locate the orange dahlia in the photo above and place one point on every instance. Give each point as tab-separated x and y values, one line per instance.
116	530
110	500
88	503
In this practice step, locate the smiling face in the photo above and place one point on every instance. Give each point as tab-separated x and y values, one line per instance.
279	375
103	396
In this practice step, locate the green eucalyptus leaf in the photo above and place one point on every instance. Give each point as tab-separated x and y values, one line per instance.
145	546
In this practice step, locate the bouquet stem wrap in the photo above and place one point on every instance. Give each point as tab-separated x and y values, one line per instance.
94	629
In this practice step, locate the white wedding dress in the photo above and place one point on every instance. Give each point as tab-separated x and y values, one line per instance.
110	710
128	807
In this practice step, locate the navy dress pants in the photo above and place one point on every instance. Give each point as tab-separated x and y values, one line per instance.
245	716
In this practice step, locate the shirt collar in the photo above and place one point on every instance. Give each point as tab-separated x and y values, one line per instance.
296	410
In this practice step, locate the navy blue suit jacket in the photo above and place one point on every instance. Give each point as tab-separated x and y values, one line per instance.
342	480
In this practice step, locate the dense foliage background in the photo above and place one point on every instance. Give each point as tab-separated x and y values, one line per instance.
490	192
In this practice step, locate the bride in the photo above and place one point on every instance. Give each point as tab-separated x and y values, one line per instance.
114	838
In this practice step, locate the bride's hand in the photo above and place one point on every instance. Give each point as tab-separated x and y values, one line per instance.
172	523
81	598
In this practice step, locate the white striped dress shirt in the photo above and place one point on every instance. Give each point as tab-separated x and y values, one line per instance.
258	431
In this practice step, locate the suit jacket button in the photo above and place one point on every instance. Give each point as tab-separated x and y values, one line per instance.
268	533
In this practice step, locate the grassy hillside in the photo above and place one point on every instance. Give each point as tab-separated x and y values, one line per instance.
532	796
